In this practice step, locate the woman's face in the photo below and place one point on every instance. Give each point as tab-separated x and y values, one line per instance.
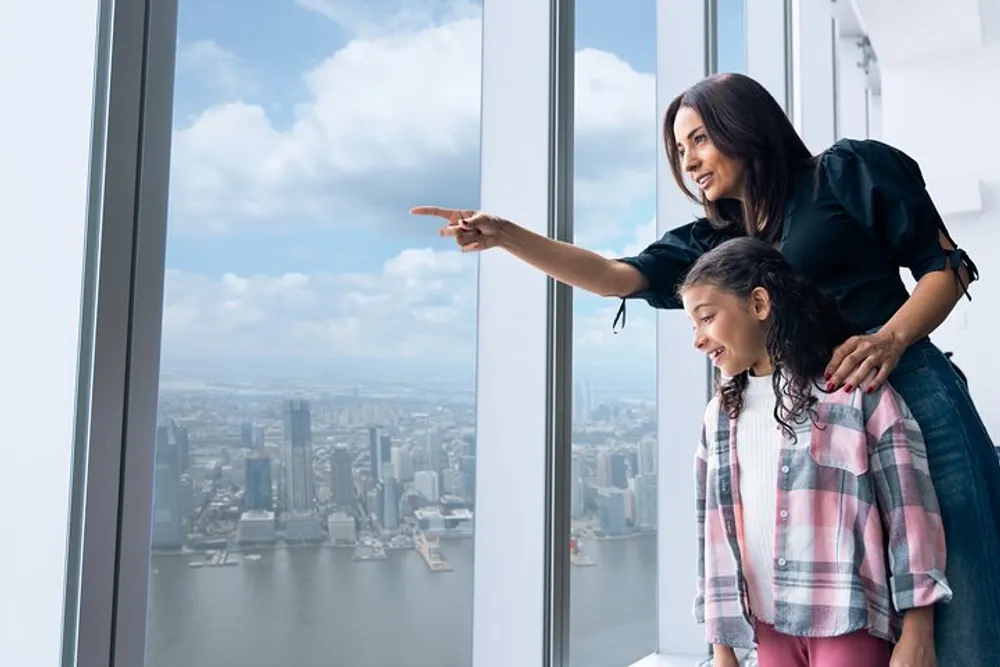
729	329
718	175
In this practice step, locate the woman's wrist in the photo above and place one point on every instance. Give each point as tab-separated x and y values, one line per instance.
506	233
900	338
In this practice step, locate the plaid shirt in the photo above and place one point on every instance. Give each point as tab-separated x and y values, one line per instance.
858	536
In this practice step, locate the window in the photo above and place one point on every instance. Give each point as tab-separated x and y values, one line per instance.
613	471
316	443
730	35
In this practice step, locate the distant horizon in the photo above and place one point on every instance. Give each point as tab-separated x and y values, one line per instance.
612	377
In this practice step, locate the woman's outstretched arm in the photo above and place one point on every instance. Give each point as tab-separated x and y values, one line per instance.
476	231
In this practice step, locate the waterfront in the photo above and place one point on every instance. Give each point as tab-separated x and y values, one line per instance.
315	607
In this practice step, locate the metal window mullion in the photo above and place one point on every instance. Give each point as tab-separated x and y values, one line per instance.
145	332
92	558
559	381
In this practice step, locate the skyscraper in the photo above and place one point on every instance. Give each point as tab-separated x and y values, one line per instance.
168	519
389	515
183	438
258	485
576	486
299	484
341	477
379	452
619	469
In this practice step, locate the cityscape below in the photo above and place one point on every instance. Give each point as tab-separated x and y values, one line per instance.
264	479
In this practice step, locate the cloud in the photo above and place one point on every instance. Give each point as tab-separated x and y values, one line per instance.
372	19
391	120
206	64
419	305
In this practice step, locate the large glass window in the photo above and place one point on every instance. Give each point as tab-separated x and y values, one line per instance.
316	448
614	460
730	35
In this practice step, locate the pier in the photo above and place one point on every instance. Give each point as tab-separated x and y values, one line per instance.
429	549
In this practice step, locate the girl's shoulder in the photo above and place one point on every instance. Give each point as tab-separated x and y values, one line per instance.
874	412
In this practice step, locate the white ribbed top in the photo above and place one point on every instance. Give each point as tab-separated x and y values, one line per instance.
758	443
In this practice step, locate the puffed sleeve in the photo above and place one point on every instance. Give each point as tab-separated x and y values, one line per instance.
883	189
665	262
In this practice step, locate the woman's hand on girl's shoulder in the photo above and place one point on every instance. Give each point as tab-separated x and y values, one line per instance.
864	362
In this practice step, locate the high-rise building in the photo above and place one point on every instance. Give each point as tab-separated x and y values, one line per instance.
604	477
576	486
299	483
619	470
436	458
426	483
646	502
183	438
647	456
168	518
467	466
341	477
257	495
389	514
611	508
402	462
246	435
379	452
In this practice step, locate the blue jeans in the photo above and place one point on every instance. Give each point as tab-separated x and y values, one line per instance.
966	474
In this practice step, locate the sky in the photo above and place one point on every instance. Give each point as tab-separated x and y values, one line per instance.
304	130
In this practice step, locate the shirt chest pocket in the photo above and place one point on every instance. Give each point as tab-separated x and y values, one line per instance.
838	439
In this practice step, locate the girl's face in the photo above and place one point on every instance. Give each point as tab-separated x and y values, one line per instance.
718	176
731	330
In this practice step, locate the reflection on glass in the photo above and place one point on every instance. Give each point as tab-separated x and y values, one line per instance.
316	450
614	480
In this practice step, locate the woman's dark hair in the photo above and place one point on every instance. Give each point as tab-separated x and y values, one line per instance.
744	122
805	325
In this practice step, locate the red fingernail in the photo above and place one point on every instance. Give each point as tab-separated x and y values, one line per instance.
869	390
827	376
829	386
848	388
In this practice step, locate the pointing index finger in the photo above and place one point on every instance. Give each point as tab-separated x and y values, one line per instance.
432	210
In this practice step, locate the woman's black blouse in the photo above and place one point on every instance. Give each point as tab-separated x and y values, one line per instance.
849	228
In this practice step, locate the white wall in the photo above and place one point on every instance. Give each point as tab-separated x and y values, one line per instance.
47	52
942	109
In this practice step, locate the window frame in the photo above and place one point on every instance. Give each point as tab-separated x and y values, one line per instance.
812	59
768	34
111	493
521	602
851	85
679	368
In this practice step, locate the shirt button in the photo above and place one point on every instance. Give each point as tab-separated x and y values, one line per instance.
785	469
782	562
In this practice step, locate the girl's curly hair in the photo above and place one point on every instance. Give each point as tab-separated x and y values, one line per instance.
804	328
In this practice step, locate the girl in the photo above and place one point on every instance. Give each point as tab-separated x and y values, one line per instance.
819	535
847	219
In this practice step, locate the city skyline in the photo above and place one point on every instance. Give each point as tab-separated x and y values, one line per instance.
238	475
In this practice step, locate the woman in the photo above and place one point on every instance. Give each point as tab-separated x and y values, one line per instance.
847	220
794	460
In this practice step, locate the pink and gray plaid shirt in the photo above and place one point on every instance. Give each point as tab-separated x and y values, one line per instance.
858	534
